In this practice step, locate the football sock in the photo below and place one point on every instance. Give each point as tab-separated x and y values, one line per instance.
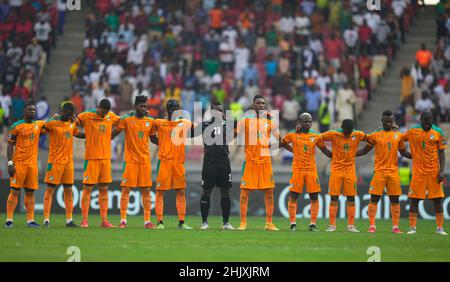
395	212
29	206
85	203
333	211
11	205
124	199
159	205
225	203
244	205
68	201
412	219
103	201
204	207
372	211
351	211
440	220
269	205
147	204
314	211
48	195
292	208
181	204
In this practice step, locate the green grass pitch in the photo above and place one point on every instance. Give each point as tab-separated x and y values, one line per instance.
254	244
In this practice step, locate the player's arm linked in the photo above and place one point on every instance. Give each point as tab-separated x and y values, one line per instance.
365	150
9	153
441	175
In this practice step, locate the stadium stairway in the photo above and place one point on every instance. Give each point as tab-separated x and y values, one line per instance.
56	82
387	93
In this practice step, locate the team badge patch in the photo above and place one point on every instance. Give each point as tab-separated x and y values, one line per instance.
395	136
432	136
147	124
51	178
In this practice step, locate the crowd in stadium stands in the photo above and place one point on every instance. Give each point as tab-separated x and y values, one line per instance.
425	84
320	56
28	32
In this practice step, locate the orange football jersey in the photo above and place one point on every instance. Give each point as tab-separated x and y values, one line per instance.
98	134
61	140
256	132
387	144
343	149
172	137
137	134
25	136
425	147
304	146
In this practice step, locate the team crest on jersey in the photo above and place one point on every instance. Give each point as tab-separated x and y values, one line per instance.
312	139
86	177
36	127
354	138
243	183
395	136
158	184
14	181
71	125
432	136
371	188
147	124
108	118
180	123
51	178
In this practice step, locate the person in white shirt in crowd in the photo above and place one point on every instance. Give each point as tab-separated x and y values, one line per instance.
345	101
316	45
61	6
139	91
226	54
135	55
424	104
291	108
444	103
287	24
351	39
231	35
42	30
331	95
399	7
42	109
5	103
323	80
251	90
302	24
115	73
241	55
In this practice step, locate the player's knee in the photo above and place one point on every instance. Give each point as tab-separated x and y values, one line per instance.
350	198
88	187
394	199
375	198
29	191
15	191
293	195
103	187
313	196
207	192
67	187
52	186
438	205
334	198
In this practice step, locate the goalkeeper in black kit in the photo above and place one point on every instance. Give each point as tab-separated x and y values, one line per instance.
216	171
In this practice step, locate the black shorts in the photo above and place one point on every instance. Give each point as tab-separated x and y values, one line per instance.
216	173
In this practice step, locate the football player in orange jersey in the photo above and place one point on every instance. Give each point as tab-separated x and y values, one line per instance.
428	143
304	170
257	171
22	153
344	144
137	170
97	125
60	170
172	133
387	142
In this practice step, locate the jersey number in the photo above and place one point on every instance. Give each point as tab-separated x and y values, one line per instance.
216	130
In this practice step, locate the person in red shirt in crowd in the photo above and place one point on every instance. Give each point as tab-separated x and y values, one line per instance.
21	91
141	22
103	6
6	28
365	37
348	67
28	11
334	48
215	18
24	31
423	57
78	102
364	66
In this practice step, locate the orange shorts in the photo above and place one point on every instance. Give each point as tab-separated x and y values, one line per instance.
59	174
257	176
344	184
136	175
97	172
25	176
425	186
300	178
388	180
170	176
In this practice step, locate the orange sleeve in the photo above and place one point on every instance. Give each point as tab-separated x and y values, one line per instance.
288	138
362	136
401	143
81	119
152	130
115	118
48	126
328	136
406	136
121	125
75	130
371	139
241	126
320	142
442	141
12	135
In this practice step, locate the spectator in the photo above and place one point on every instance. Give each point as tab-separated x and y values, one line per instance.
42	109
345	102
407	87
364	66
312	97
42	30
61	6
444	104
424	104
324	116
215	18
290	111
78	102
5	104
423	57
114	73
139	91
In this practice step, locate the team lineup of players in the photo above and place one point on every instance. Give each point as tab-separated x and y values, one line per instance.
427	144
